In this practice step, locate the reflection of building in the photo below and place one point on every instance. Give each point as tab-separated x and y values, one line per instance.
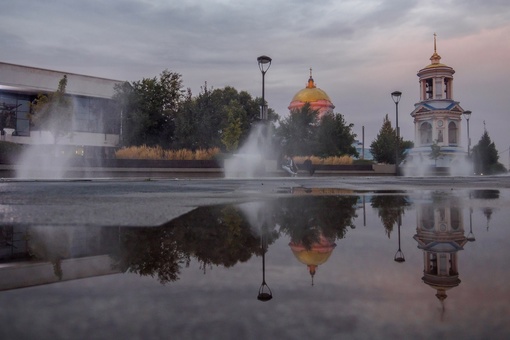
32	255
437	117
96	122
315	255
317	98
440	234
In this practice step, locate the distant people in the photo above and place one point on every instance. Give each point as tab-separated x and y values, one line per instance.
289	166
307	164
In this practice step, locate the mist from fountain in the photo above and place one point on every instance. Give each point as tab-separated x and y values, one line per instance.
250	161
418	165
48	158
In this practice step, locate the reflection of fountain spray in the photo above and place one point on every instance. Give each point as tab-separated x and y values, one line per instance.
251	158
259	218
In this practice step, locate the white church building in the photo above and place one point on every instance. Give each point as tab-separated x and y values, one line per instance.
437	123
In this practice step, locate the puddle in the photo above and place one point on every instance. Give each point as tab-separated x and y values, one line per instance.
317	263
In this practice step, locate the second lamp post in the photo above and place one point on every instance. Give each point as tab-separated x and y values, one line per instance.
396	98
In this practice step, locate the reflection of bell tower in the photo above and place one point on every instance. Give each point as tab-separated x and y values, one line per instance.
440	234
315	255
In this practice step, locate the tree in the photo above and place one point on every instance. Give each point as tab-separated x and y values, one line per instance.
215	118
435	152
54	111
335	137
298	131
383	147
149	107
232	133
485	157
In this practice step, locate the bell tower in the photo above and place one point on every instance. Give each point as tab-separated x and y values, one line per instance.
437	118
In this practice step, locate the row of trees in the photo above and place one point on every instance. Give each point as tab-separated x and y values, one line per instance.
158	111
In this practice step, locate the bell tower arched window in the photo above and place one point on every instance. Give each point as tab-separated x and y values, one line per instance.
452	133
426	133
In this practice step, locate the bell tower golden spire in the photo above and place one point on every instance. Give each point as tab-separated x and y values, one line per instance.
435	57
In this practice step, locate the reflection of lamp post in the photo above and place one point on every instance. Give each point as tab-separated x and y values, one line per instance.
467	114
264	65
396	98
471	236
265	293
399	255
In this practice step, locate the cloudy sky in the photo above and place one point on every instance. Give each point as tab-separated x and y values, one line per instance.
360	51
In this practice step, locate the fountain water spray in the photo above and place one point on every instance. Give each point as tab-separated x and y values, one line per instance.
251	160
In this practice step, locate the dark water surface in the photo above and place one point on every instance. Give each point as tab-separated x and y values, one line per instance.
314	265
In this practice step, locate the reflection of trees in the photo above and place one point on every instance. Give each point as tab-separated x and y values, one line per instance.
306	219
213	235
390	206
222	235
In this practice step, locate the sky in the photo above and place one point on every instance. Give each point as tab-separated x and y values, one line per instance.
360	51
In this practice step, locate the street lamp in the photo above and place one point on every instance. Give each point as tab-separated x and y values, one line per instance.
399	255
467	114
396	98
471	236
265	293
264	65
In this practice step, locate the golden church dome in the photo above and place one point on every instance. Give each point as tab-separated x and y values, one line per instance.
311	93
318	99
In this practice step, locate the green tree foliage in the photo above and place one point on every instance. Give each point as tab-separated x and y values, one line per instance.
383	146
298	132
303	133
213	119
149	107
435	152
53	112
485	157
232	133
390	208
335	137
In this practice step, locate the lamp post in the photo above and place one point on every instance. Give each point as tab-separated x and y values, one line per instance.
265	293
399	255
471	236
264	65
396	98
467	114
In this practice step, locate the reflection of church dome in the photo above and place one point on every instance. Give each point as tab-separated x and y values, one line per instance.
317	98
315	255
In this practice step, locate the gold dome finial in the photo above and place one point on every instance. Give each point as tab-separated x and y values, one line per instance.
311	83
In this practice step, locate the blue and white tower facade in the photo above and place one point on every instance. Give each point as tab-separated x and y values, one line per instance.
437	123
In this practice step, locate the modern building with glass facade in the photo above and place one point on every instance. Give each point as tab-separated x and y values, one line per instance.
96	126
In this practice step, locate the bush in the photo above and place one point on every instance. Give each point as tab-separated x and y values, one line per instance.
158	153
336	160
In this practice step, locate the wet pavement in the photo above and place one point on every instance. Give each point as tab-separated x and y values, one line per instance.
136	202
269	258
